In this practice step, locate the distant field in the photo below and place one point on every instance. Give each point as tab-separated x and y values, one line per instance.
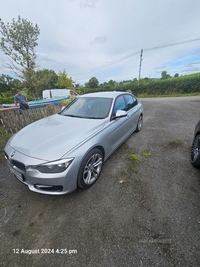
171	95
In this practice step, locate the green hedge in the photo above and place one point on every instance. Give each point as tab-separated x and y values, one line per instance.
180	85
184	84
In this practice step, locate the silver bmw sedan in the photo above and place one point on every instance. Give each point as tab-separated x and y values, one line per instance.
57	154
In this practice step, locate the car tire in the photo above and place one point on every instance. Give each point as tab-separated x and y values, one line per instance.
139	123
90	168
195	152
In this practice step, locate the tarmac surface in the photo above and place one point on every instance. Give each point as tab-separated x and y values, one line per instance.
142	212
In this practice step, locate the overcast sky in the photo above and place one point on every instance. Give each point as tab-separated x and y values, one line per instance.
85	37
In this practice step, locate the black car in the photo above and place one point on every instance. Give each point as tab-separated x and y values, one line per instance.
195	149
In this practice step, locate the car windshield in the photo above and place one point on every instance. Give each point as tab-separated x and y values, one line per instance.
88	107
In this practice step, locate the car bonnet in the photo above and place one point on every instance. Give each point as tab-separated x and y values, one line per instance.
52	137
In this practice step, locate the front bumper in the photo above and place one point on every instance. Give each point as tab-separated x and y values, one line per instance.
45	183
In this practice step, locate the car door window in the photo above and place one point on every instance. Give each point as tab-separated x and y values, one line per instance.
119	105
130	102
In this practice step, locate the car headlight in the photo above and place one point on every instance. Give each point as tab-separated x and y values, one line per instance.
53	166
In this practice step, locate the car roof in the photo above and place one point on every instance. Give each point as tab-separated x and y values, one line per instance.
109	94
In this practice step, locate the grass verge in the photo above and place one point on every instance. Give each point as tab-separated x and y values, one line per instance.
170	95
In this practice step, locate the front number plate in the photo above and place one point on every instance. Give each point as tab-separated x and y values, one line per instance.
17	174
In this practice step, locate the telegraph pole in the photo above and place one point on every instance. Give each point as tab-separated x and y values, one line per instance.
140	66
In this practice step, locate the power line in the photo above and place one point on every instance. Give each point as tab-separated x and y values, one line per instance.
172	44
82	73
106	64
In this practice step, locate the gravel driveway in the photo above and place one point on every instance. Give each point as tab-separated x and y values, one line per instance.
141	212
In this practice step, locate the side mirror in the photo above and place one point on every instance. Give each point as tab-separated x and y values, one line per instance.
121	114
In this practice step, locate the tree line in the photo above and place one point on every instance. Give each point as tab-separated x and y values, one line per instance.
48	79
42	79
154	86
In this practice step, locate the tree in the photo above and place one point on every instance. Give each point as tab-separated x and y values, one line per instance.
64	81
18	42
112	83
77	85
106	86
5	84
45	79
93	82
9	85
176	75
86	85
165	75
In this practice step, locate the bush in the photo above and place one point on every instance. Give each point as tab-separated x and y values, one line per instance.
6	99
66	102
